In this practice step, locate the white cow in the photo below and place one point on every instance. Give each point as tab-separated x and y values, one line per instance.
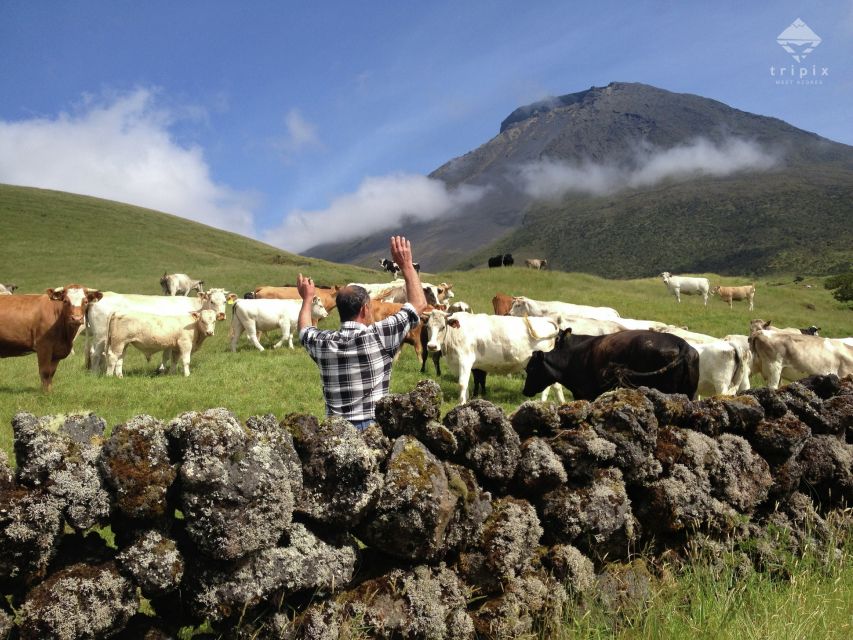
648	325
686	285
395	291
692	337
253	316
98	315
581	325
522	306
721	368
174	335
494	344
741	343
783	355
180	284
459	306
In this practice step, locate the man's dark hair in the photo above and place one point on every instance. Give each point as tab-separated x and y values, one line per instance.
350	300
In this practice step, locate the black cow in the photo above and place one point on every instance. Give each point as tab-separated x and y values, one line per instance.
810	331
392	267
495	261
590	365
507	260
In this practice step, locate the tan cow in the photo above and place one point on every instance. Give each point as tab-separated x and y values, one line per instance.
730	294
536	263
785	355
328	295
45	324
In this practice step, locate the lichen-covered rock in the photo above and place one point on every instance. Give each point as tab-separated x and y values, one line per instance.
30	528
773	405
415	505
540	469
574	414
307	563
279	438
154	563
670	408
509	538
341	477
416	414
426	603
596	518
827	470
778	439
582	451
235	488
837	414
709	416
143	627
806	405
786	479
473	506
7	623
486	441
742	477
626	418
535	418
61	453
80	601
744	413
534	602
570	567
136	468
319	621
6	475
824	386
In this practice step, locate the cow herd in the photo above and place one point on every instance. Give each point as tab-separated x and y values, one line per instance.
586	349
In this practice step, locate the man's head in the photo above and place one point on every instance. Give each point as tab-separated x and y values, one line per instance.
351	300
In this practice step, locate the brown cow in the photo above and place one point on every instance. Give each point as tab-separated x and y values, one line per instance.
45	324
328	295
502	304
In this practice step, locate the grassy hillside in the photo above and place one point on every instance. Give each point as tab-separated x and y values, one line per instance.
59	238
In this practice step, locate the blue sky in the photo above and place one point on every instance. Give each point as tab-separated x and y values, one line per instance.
280	120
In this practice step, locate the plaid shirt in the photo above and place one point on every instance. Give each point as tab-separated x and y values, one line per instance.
355	361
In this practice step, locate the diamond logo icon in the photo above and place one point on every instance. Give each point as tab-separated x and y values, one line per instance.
799	40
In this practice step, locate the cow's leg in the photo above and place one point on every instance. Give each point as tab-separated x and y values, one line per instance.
772	373
112	360
750	303
558	390
252	333
480	382
236	332
47	367
435	360
465	367
284	326
185	360
118	365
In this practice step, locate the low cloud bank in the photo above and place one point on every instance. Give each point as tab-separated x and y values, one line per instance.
552	179
378	203
121	148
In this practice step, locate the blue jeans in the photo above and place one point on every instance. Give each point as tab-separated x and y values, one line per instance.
361	425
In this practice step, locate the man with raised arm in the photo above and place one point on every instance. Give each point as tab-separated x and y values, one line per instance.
355	361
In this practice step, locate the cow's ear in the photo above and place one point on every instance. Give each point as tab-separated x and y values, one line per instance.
56	293
196	315
93	296
232	297
203	295
453	322
766	325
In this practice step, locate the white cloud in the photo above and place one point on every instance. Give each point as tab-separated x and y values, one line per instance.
551	179
300	135
121	148
379	203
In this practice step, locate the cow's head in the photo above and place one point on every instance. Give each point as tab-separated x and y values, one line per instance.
216	299
666	275
758	325
318	311
445	291
538	377
205	321
75	298
715	289
436	323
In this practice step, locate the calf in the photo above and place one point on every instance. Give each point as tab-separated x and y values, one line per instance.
730	294
45	324
392	267
178	335
590	365
686	285
536	263
492	344
253	316
174	284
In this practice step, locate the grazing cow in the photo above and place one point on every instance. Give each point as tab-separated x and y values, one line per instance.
536	263
507	260
45	324
502	304
493	344
496	261
393	267
459	306
253	316
790	356
8	288
686	285
98	316
175	335
522	306
174	284
730	294
758	324
590	365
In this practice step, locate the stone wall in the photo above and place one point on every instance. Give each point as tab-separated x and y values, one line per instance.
477	523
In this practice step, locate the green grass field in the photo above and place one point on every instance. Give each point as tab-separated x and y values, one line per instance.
61	238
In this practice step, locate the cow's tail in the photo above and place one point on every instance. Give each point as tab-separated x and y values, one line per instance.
233	314
535	335
738	374
624	376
